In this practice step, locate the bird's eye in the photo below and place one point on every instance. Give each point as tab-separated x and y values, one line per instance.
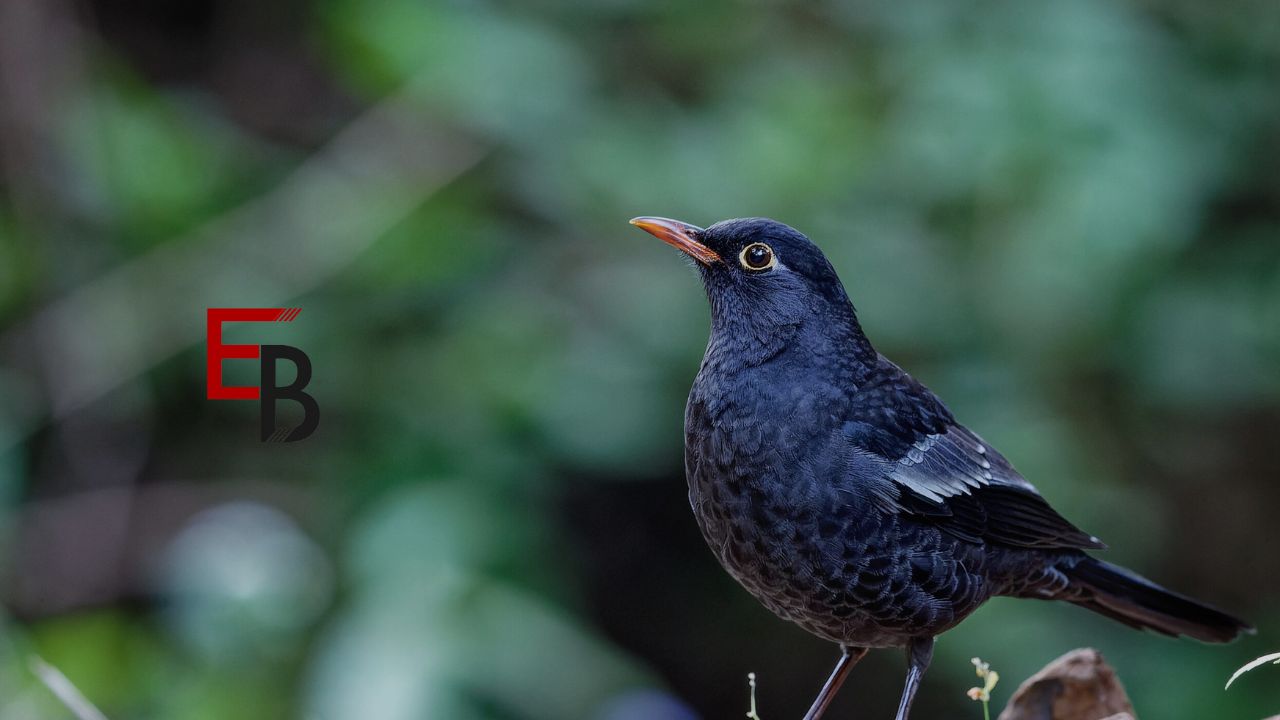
757	256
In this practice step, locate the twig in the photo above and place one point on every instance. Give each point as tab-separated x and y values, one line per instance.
751	681
62	688
1259	662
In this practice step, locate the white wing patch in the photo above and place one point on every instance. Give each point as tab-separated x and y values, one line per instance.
953	463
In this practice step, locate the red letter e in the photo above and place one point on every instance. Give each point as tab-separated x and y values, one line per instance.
217	352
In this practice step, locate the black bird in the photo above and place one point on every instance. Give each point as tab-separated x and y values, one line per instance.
844	495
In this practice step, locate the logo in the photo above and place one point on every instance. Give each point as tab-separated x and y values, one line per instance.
267	392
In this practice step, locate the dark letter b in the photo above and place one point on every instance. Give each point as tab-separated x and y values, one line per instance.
293	391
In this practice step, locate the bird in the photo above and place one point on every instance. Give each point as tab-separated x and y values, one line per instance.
844	495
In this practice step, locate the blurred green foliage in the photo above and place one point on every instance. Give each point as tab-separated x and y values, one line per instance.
1064	217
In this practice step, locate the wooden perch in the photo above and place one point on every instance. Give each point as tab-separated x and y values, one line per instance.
1077	686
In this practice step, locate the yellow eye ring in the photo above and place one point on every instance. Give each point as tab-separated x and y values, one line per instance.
757	257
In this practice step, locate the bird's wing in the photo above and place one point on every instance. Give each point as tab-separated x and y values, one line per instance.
948	476
934	468
953	478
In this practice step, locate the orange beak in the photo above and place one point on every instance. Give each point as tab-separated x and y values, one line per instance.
681	236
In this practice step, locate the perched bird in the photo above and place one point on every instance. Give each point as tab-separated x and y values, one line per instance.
844	495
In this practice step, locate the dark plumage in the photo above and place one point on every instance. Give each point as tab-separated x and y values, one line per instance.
844	495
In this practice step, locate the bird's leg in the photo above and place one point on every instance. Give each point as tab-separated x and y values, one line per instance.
849	656
919	653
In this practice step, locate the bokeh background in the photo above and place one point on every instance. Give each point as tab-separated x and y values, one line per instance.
1064	217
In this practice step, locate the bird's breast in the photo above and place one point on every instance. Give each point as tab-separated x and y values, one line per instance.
763	466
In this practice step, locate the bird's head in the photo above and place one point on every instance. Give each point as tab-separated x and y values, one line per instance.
760	275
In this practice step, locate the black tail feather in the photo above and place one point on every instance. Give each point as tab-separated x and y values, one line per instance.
1129	598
